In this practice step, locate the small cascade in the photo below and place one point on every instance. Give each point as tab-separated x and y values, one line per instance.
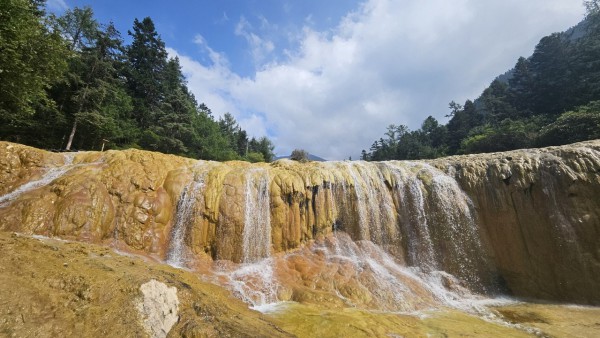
453	209
363	275
46	179
415	225
361	204
253	281
185	215
376	211
257	227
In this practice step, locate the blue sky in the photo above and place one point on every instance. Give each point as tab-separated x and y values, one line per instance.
329	76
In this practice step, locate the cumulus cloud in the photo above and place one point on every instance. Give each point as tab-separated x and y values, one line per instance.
387	62
57	5
259	47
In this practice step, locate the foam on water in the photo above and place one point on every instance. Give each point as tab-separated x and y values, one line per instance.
254	280
253	283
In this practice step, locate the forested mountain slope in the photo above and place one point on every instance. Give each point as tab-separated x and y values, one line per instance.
549	98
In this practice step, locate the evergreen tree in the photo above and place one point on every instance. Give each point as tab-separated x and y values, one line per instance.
496	102
147	61
174	118
521	85
32	57
552	73
209	141
92	95
264	147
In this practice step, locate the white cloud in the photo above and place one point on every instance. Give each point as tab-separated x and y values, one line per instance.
57	5
259	47
387	62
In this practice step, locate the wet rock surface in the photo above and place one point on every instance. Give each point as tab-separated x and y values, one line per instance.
526	222
540	211
54	288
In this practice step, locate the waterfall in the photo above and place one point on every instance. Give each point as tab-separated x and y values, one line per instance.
453	209
404	232
418	207
363	215
416	228
376	211
256	236
362	272
176	254
253	280
51	175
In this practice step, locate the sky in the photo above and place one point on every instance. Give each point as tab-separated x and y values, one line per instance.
330	76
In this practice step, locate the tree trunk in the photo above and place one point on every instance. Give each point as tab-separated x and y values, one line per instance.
72	135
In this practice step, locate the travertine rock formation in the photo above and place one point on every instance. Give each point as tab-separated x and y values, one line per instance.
530	219
540	209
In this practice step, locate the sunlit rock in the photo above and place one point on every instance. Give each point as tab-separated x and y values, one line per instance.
523	222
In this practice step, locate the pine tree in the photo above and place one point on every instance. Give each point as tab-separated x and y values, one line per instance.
520	86
93	96
32	57
147	61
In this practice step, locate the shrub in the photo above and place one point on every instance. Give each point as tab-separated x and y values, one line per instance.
299	155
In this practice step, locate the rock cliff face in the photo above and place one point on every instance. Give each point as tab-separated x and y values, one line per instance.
527	221
540	210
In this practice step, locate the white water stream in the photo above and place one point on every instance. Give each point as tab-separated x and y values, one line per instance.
177	252
421	209
50	175
257	226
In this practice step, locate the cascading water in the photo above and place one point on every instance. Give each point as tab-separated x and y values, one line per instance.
254	280
257	226
363	275
402	232
361	206
375	207
46	179
415	225
176	255
453	208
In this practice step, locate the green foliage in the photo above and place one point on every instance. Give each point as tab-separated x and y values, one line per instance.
506	135
69	82
523	108
263	146
573	126
300	155
403	144
79	28
255	157
32	57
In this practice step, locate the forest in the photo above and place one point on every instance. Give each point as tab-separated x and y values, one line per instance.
549	98
69	82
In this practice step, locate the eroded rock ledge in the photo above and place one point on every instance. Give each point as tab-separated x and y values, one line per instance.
537	211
